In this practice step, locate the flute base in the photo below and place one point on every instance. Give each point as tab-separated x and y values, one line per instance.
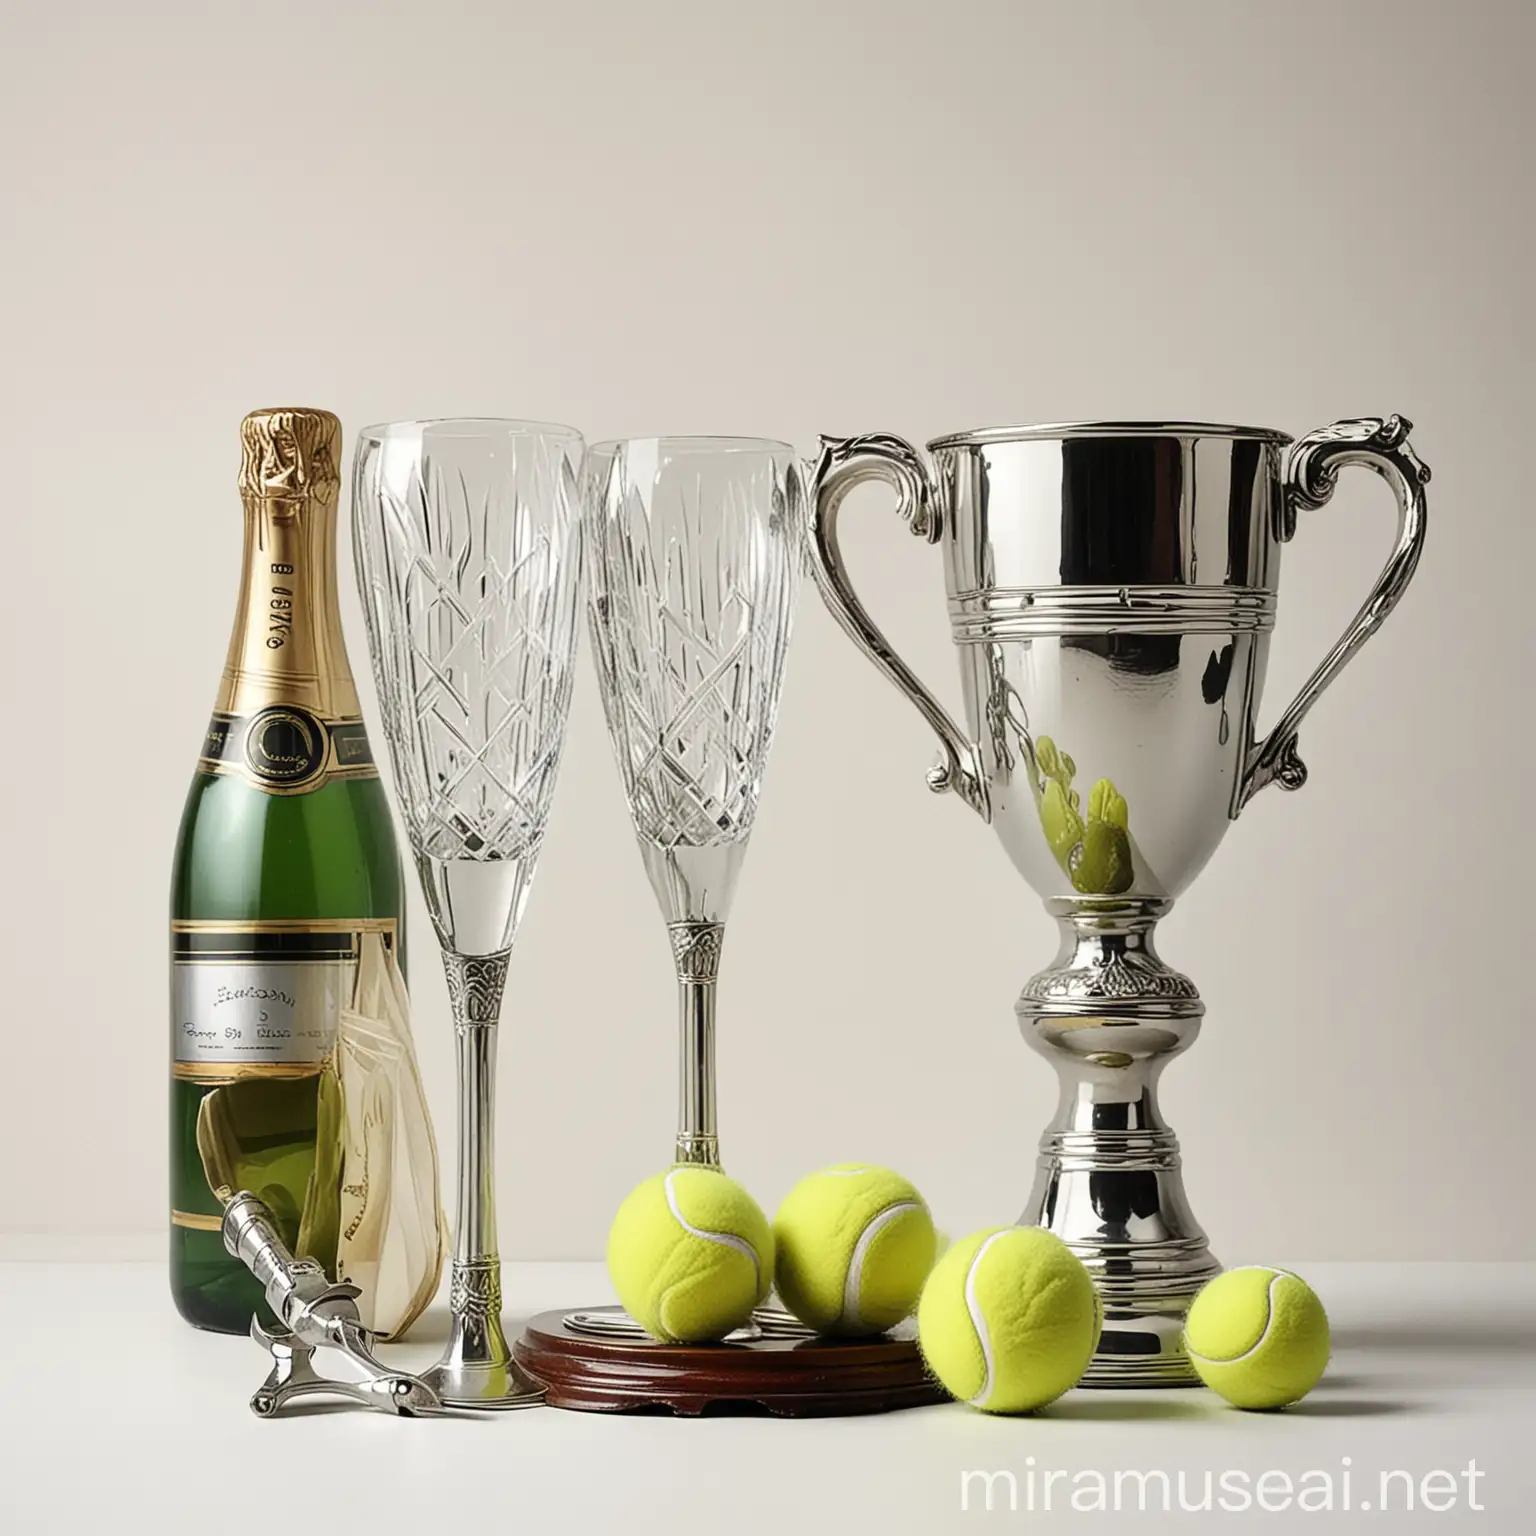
477	1369
1110	1015
785	1375
488	1387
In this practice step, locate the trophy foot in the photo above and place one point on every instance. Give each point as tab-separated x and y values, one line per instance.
1146	1291
477	1369
1141	1352
1109	1014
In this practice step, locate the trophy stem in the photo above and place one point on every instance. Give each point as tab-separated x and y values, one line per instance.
696	953
477	1369
1109	1015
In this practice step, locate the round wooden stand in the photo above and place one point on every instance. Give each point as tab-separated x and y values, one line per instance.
793	1377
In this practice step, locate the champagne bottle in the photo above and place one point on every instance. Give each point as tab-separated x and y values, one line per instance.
286	859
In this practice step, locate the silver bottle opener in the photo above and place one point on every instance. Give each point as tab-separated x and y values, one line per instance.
315	1314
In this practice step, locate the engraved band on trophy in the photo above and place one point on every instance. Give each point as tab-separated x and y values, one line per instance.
1112	590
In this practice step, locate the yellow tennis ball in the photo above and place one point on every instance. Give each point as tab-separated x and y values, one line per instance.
852	1247
1009	1319
1258	1336
690	1255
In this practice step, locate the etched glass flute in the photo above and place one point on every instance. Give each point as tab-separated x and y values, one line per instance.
694	558
467	536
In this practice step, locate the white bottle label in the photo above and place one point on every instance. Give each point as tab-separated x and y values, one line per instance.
261	997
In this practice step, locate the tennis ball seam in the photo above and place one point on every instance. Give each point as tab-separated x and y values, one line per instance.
854	1280
1275	1277
725	1239
979	1322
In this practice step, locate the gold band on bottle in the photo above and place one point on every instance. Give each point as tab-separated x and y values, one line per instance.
384	925
215	1074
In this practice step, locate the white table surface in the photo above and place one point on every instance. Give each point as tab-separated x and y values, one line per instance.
117	1417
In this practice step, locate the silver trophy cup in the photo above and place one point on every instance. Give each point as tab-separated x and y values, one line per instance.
1111	595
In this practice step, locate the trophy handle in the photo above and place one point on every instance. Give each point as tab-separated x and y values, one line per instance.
846	462
1311	473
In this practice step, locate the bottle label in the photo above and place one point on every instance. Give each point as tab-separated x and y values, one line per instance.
287	750
261	999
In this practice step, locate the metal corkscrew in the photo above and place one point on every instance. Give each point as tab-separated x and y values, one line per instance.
315	1314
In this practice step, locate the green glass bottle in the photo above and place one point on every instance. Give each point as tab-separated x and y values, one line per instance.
285	858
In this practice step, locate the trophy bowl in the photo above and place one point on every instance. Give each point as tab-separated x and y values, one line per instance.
1112	591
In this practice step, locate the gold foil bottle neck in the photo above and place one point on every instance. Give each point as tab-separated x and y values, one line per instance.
286	650
291	455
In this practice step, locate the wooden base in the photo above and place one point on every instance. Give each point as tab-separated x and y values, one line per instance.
793	1377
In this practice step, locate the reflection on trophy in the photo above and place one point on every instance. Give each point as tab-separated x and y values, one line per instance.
1111	594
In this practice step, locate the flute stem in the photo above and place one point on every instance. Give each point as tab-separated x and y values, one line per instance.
474	989
477	1367
696	953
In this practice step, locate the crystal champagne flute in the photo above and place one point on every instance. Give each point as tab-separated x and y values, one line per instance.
467	535
693	556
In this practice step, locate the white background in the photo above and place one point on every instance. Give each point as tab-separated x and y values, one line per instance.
782	220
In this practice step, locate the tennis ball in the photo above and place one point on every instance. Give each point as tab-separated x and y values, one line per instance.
1009	1319
690	1255
1258	1336
853	1245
